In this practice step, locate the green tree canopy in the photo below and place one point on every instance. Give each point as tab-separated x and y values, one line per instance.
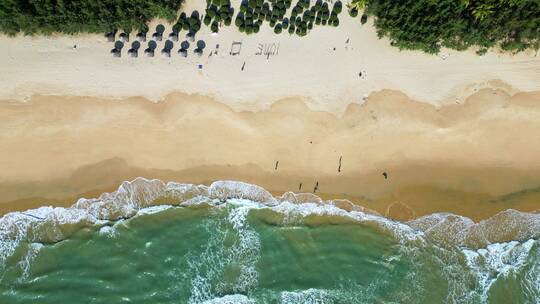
428	25
72	16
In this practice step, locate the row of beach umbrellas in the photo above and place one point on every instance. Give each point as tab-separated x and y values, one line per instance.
123	38
141	36
152	46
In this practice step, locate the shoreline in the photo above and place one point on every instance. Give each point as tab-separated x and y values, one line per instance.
62	148
403	204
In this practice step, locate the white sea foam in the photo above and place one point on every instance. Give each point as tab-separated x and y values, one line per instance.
246	250
26	262
401	231
497	261
309	296
232	189
230	299
444	227
106	230
509	225
153	209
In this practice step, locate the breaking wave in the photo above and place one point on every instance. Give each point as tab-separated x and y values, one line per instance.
473	257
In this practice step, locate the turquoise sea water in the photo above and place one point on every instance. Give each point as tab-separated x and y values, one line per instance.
234	243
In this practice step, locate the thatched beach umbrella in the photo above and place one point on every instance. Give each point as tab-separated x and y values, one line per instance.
201	44
141	36
149	52
190	36
152	45
173	36
182	52
116	52
135	45
200	47
184	45
123	37
119	45
158	35
166	51
134	51
111	36
160	28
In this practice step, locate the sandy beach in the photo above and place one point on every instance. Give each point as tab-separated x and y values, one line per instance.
474	159
453	133
323	67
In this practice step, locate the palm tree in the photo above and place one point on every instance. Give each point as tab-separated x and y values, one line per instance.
482	11
357	4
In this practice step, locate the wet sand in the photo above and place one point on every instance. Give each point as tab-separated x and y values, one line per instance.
474	158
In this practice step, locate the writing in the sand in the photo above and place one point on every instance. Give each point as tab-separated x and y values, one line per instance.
267	49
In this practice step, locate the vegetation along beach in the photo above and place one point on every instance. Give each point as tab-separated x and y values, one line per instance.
282	151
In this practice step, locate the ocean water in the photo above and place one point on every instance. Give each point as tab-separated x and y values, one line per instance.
152	242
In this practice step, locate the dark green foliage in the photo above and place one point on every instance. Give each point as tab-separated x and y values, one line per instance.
353	12
278	28
291	29
95	16
193	22
207	20
512	25
243	8
285	23
221	11
211	11
288	3
363	20
318	5
337	7
214	28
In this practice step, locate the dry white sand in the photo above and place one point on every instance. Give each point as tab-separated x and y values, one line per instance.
306	66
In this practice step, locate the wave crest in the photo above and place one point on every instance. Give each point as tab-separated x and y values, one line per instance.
223	190
505	226
48	224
